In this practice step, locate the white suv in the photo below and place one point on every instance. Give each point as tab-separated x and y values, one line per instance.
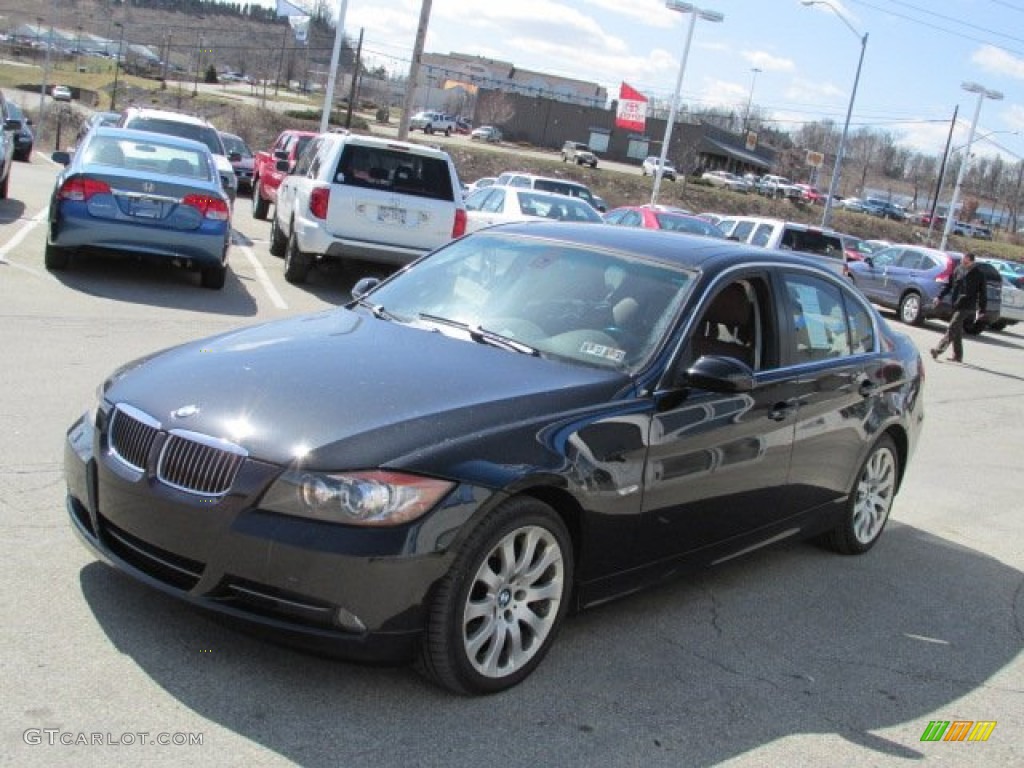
363	197
650	166
186	127
430	122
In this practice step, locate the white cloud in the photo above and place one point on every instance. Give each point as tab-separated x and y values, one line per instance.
998	61
768	62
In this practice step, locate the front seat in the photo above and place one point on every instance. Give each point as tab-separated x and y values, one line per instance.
727	326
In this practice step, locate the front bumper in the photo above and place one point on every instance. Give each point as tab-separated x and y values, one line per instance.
358	593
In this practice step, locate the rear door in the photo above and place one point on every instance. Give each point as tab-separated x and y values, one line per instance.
391	194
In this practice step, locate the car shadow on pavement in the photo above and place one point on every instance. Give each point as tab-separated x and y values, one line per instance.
332	281
11	210
142	282
789	642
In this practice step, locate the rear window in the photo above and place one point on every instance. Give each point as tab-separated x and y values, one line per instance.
561	188
396	171
201	133
812	241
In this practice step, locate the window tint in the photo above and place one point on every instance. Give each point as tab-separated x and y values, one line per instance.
819	325
494	202
202	133
862	330
379	167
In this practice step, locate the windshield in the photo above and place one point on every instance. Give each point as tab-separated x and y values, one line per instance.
566	301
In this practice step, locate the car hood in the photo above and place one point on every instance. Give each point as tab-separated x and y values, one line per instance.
342	389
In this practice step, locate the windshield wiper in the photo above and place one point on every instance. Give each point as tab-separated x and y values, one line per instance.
483	335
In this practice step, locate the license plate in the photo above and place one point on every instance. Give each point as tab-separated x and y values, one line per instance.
391	215
146	209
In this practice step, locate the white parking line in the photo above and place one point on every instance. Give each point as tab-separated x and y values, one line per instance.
20	235
263	277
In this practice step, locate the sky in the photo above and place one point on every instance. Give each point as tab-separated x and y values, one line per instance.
917	56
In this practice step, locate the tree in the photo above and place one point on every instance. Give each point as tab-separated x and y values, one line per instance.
211	74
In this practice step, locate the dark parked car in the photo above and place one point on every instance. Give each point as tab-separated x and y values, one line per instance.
23	136
241	160
535	417
907	278
139	194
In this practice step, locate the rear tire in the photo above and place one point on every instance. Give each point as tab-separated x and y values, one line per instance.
296	263
259	205
56	258
278	242
213	277
911	309
496	612
867	510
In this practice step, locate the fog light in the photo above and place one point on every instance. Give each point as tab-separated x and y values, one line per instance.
350	621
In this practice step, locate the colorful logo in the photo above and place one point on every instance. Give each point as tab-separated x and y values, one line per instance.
958	730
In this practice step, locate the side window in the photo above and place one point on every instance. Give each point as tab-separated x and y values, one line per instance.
742	230
519	181
762	235
818	326
630	219
615	218
733	325
862	330
494	201
913	260
305	160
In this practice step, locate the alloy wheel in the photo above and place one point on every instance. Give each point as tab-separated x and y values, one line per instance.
875	492
513	602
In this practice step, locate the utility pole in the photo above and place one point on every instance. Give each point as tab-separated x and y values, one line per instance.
414	70
354	90
942	174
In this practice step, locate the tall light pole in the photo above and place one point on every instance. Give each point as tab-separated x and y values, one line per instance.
750	99
694	11
833	186
199	62
117	66
983	93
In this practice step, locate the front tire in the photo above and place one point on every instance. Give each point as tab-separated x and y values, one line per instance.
278	242
495	614
867	510
260	207
296	263
911	309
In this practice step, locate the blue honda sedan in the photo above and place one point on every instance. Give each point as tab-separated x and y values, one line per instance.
144	195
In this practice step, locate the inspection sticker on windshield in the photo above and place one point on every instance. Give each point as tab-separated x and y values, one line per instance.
601	350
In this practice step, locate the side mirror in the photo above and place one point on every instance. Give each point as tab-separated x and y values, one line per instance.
280	154
363	286
282	165
869	261
12	125
61	158
717	373
234	157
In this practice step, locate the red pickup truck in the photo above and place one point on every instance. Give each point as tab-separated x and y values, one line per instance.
265	176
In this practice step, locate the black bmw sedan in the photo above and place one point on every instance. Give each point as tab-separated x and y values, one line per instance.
532	419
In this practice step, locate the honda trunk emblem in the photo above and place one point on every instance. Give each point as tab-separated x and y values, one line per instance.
148	187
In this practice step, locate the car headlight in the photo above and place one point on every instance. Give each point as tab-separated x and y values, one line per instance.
373	498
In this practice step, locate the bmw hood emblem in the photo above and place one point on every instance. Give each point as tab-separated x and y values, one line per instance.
185	411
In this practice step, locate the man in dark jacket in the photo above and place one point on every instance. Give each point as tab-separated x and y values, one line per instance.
967	288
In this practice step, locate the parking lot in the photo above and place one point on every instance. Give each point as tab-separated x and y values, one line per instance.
790	656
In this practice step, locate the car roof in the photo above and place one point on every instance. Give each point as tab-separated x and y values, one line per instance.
165	114
672	248
132	134
386	143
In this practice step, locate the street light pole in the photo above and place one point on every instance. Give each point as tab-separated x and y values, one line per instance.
983	93
694	11
750	99
833	186
117	66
